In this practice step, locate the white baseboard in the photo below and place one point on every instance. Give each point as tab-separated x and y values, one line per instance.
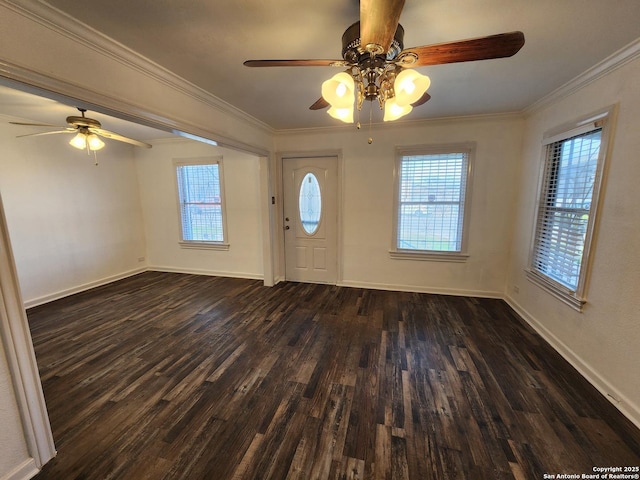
419	289
209	273
627	407
24	471
34	302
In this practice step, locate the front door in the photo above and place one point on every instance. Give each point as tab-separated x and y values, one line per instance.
310	219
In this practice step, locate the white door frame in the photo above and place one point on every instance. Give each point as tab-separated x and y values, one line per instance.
18	346
279	237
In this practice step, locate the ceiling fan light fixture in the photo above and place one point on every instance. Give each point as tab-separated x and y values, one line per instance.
339	91
373	51
79	141
409	86
94	142
344	114
393	110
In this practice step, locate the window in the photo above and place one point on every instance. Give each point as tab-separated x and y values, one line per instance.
432	190
571	178
201	203
310	203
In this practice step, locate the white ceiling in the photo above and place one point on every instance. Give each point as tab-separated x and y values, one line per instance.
206	41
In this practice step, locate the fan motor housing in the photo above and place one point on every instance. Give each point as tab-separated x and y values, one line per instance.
353	53
83	122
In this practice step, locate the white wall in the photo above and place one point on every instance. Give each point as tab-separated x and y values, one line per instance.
368	202
72	224
12	444
158	194
603	340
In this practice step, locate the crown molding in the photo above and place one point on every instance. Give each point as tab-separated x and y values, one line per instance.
49	17
21	78
423	122
618	59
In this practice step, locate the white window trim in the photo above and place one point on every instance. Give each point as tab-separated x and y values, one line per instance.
431	255
424	255
197	244
604	118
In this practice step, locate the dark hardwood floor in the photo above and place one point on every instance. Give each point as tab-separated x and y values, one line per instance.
169	376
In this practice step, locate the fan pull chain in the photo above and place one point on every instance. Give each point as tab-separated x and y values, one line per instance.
370	140
95	154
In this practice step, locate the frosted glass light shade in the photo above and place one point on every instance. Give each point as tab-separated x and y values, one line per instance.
344	114
393	111
339	90
79	141
409	86
94	142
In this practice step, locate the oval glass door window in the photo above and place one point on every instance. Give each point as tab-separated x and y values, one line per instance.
310	203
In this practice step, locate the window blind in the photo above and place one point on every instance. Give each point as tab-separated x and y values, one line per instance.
565	207
200	202
431	201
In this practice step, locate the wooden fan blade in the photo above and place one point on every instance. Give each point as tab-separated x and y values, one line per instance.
120	138
295	63
320	104
47	133
482	48
378	23
423	99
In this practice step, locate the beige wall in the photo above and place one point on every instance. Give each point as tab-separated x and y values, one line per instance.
602	342
367	210
72	224
12	439
158	195
98	221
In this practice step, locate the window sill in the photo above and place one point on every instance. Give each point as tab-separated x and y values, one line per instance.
561	293
428	256
205	245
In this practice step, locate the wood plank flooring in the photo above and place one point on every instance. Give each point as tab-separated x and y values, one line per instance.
169	376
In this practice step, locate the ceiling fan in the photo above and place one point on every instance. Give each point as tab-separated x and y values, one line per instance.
377	64
88	132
